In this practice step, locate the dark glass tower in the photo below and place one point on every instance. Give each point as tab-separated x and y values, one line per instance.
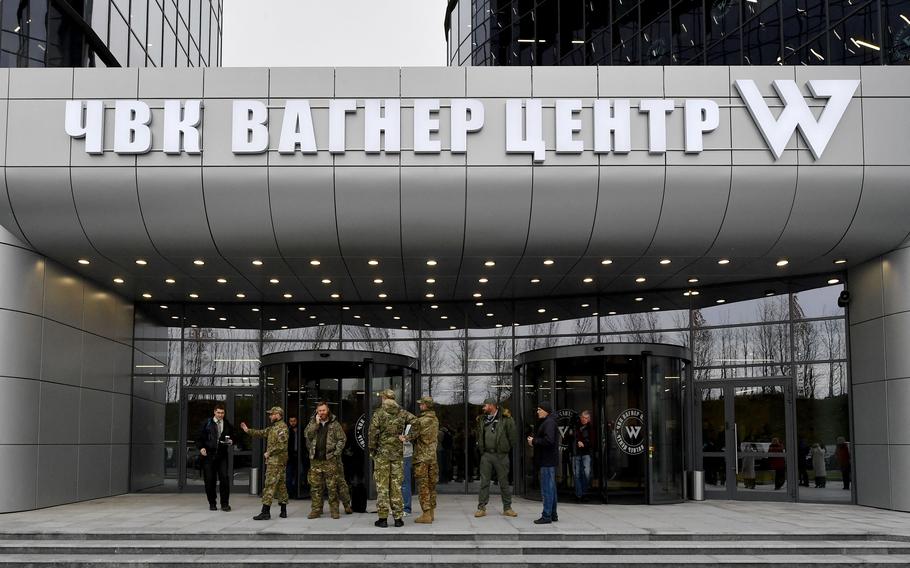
678	32
110	33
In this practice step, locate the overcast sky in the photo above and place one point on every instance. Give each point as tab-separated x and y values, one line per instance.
333	33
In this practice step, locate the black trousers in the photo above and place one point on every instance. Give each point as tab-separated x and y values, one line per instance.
215	469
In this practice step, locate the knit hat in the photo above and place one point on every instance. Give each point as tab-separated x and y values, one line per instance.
546	406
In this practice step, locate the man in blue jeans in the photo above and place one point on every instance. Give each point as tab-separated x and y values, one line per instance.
584	445
546	457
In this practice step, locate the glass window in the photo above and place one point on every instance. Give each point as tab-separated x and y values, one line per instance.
722	36
598	32
119	37
688	28
442	356
547	20
153	42
769	309
804	21
490	355
100	14
761	33
625	33
854	40
896	27
818	302
139	19
655	35
572	33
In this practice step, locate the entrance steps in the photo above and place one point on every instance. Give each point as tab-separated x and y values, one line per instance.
388	548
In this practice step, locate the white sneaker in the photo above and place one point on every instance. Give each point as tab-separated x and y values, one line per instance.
405	514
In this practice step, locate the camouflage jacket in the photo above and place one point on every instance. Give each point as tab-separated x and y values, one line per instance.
335	438
424	434
277	436
388	423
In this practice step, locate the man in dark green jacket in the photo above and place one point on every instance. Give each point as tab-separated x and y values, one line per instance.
496	437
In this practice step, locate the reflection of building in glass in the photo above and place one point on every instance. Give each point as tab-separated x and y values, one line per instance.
110	33
678	32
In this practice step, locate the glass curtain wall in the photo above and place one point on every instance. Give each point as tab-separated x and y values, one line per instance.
679	32
801	335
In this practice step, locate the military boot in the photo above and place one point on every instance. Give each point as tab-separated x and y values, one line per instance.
433	514
382	523
265	515
284	510
314	514
334	512
347	509
399	522
425	518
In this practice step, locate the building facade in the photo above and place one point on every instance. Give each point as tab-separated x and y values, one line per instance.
209	220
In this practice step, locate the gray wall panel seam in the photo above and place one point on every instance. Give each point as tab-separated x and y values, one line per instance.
43	317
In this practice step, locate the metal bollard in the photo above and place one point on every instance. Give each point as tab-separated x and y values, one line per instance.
697	485
254	481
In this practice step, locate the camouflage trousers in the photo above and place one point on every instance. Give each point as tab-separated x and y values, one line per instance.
323	472
276	486
344	492
427	475
388	475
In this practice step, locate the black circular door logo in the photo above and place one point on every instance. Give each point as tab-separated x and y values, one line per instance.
629	431
360	433
565	421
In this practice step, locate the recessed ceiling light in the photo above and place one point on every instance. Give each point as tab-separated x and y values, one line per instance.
257	262
175	317
315	262
431	281
611	313
451	327
431	262
163	307
769	292
273	319
478	304
639	299
695	292
336	295
549	262
356	317
211	308
535	280
655	309
312	317
687	293
396	317
595	314
498	325
222	280
288	295
444	317
222	319
586	305
429	295
118	280
554	319
641	279
434	307
326	281
606	261
588	280
241	295
721	301
840	261
693	280
665	261
194	326
254	309
301	309
383	295
83	261
232	327
404	327
388	307
141	262
194	295
723	261
377	281
483	280
834	281
490	263
782	262
321	323
146	295
170	281
489	315
366	325
541	310
373	262
199	262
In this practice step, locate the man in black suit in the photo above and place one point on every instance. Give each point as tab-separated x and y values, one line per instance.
215	437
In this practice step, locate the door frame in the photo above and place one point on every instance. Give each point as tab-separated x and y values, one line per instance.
731	461
229	404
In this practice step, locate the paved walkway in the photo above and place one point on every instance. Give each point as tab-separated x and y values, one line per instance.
185	515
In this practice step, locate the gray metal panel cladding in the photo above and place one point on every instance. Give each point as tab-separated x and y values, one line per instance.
732	199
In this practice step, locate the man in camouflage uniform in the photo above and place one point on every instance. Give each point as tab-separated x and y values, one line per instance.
276	459
387	450
424	434
325	439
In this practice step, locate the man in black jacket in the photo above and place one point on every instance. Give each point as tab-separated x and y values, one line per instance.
213	441
546	457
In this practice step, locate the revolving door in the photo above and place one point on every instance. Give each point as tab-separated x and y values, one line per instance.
347	381
634	393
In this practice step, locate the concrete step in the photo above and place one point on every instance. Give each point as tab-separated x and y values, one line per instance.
453	548
439	561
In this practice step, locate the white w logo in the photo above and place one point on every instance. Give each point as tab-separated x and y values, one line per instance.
633	431
796	114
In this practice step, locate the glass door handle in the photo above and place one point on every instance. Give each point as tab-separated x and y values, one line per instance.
736	447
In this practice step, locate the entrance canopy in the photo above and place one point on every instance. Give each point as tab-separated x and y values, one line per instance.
387	186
